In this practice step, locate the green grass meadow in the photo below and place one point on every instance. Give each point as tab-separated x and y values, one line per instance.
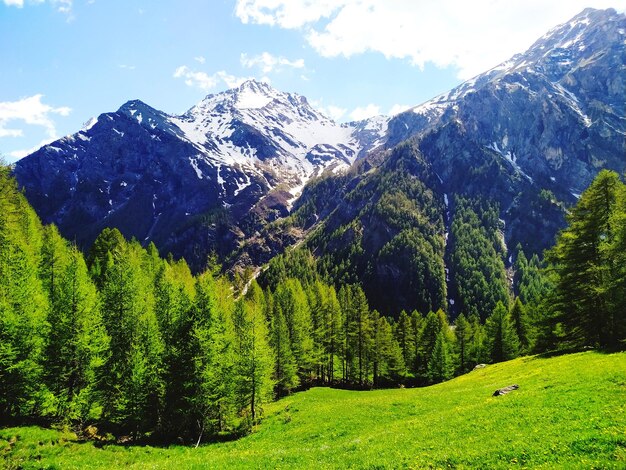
569	412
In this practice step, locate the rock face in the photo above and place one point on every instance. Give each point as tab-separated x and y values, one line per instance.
549	118
529	134
193	183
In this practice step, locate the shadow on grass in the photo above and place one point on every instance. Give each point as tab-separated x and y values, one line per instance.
579	349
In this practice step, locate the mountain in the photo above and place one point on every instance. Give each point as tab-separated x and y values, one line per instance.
385	202
192	183
516	145
555	114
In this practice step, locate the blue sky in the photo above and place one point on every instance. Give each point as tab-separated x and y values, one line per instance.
64	61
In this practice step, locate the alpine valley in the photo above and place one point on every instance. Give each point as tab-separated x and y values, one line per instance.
252	285
250	171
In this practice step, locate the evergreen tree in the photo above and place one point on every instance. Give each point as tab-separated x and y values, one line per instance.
77	346
253	355
463	332
477	352
522	326
588	298
100	254
285	370
133	386
388	362
23	304
406	338
212	391
440	366
360	332
501	336
295	307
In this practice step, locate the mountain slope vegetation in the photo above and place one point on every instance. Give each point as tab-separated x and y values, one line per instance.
567	413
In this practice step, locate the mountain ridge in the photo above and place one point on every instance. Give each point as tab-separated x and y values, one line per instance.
528	135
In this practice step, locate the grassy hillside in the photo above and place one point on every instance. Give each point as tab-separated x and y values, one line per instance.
569	412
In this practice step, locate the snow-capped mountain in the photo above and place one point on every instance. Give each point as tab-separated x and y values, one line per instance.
526	137
529	134
236	156
555	114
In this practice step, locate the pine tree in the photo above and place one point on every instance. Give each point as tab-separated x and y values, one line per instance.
253	360
23	304
212	398
100	253
361	332
586	298
295	307
440	365
406	337
77	346
477	352
522	325
133	387
463	334
285	369
501	336
388	362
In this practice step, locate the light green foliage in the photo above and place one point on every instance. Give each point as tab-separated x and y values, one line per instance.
285	369
388	362
567	414
23	304
294	304
77	345
253	356
133	386
212	394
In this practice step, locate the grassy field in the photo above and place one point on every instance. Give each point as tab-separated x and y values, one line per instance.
569	412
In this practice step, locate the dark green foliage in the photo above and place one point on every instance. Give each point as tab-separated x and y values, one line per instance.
589	298
386	233
522	326
479	278
463	333
440	366
501	336
140	345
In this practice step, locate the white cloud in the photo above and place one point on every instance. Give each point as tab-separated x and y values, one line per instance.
285	13
333	112
269	63
62	6
200	59
364	112
205	81
397	109
30	111
126	67
17	154
471	36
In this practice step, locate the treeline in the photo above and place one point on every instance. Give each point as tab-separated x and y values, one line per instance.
140	346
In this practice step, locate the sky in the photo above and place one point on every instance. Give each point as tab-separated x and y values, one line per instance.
65	61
